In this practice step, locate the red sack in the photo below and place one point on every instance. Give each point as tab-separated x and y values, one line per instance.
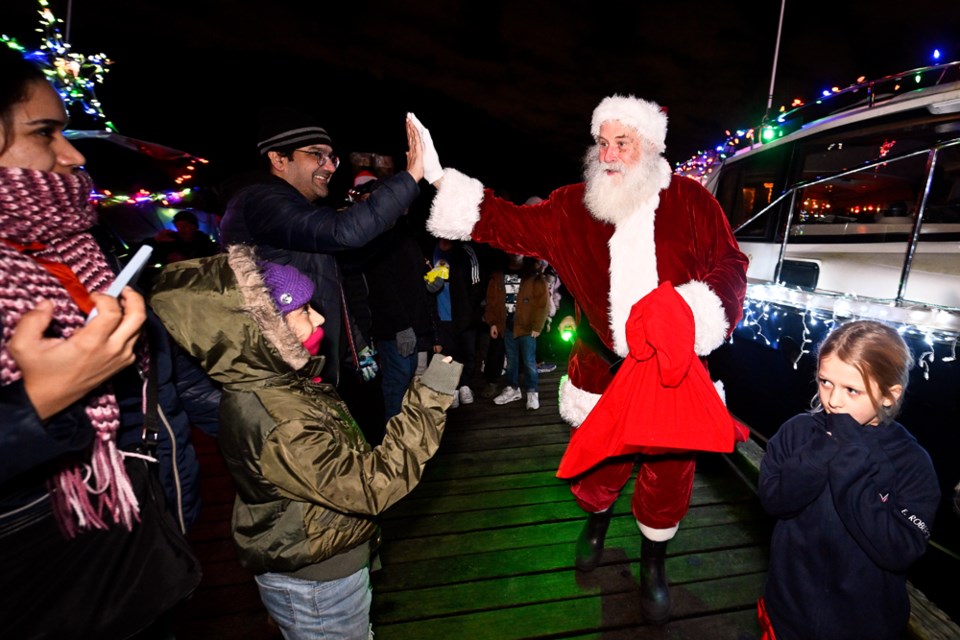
662	398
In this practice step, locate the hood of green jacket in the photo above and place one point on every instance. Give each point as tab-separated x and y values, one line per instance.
221	312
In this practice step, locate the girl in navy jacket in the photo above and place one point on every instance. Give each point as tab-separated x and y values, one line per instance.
854	494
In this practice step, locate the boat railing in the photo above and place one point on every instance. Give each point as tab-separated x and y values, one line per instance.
836	242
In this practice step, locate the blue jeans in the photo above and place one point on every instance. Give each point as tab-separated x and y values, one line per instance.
397	373
313	610
527	359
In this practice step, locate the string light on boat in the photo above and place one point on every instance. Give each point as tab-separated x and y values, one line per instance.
771	312
703	163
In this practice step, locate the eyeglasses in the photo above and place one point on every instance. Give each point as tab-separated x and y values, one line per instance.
322	157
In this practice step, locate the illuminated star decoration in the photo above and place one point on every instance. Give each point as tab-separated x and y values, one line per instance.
73	75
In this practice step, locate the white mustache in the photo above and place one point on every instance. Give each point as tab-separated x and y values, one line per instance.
619	167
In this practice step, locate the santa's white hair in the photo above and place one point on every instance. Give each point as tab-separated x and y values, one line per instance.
648	118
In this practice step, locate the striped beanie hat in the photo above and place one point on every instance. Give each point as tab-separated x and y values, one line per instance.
285	129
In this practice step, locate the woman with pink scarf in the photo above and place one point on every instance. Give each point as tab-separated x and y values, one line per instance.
72	526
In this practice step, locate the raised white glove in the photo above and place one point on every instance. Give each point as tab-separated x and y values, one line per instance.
432	170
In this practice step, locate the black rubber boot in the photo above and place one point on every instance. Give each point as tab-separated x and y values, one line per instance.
654	594
590	542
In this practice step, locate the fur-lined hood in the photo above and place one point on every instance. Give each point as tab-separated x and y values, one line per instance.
221	312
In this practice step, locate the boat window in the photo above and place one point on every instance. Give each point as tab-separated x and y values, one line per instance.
877	204
842	150
934	277
850	235
749	185
943	203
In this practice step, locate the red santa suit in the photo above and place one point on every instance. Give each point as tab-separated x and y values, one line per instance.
661	380
680	235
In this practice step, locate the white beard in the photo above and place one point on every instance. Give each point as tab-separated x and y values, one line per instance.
614	198
629	201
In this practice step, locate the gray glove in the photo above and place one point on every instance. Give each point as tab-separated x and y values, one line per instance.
441	376
432	171
406	342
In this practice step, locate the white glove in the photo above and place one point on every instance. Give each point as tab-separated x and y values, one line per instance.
432	170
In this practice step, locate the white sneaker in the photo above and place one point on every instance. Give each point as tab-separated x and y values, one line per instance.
456	401
466	396
533	400
509	394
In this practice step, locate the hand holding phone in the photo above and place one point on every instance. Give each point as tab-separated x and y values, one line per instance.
127	275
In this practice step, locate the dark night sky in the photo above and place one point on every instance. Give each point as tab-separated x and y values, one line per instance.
507	88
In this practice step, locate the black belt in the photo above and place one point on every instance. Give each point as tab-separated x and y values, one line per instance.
588	336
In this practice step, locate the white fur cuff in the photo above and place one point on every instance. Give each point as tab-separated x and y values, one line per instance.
657	535
575	403
709	316
456	207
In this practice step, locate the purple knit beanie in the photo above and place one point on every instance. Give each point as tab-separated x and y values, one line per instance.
289	288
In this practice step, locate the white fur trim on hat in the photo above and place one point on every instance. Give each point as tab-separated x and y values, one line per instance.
363	178
646	117
709	317
575	403
456	207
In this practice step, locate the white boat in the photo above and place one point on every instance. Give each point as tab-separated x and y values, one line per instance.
852	208
849	207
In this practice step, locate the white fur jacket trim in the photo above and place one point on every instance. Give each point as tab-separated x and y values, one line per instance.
709	317
456	207
575	403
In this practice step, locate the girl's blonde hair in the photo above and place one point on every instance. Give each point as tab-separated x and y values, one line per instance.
881	356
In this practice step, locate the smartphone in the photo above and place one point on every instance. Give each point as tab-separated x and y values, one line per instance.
127	275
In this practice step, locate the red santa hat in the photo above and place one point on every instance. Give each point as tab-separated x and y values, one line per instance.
363	177
648	118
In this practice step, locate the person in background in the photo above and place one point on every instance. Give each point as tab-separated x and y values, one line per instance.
304	473
401	309
854	495
186	243
629	227
88	547
490	350
546	363
277	214
517	306
458	308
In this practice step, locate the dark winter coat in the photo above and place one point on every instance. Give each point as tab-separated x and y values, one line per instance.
855	510
394	267
187	398
466	288
286	228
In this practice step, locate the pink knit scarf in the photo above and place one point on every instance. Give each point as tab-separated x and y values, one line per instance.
52	210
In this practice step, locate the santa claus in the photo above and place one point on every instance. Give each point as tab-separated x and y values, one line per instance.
613	239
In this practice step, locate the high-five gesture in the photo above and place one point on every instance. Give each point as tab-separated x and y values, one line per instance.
414	151
432	169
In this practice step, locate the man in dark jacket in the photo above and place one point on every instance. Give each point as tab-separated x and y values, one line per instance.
277	215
